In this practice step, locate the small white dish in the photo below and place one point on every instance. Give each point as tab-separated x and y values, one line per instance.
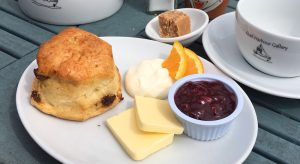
92	142
199	20
221	47
206	130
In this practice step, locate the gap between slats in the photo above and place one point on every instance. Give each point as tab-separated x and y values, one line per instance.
274	110
19	36
10	54
16	58
12	50
254	158
276	148
24	29
270	107
287	138
286	129
42	27
5	59
268	156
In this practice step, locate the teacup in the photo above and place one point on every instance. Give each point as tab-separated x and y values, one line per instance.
268	35
69	12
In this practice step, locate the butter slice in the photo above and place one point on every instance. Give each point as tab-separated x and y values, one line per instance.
138	144
154	115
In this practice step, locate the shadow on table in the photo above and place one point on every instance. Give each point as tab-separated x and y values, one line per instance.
140	5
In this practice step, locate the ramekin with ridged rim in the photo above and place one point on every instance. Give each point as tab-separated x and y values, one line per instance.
206	130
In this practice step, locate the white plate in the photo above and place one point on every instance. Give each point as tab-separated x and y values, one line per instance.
220	45
92	142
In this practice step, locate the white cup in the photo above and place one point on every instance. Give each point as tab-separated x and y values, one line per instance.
69	12
268	35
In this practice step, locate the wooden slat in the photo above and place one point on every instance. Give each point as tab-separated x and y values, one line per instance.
228	10
22	28
16	144
285	128
128	21
288	107
232	4
255	158
276	148
12	7
5	59
14	45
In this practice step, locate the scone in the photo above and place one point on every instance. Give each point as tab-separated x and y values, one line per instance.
76	78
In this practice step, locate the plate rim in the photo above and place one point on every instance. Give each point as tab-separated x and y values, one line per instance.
206	41
61	158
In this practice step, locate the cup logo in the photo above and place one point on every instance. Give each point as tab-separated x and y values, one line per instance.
261	53
52	4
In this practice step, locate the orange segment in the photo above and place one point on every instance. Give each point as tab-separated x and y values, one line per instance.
176	62
194	63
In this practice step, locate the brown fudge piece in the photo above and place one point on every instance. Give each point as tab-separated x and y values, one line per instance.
173	24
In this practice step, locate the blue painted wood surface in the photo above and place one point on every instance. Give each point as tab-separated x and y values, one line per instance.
11	7
279	118
5	59
15	45
24	29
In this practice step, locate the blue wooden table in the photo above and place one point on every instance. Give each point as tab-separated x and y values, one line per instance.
278	139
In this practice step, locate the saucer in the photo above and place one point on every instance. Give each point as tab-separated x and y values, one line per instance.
221	47
199	20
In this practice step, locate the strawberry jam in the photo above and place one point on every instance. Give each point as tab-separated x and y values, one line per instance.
205	100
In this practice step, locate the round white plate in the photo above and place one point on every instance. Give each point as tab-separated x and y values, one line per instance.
92	142
220	45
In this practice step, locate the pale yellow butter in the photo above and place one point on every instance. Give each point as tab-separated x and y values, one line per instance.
154	115
138	144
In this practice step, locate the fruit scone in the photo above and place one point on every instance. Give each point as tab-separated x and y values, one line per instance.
76	78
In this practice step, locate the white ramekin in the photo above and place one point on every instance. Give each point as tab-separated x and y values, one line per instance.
206	130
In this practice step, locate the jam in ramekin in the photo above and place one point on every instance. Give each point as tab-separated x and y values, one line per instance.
205	100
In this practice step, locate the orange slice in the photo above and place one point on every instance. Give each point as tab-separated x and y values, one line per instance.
176	62
194	64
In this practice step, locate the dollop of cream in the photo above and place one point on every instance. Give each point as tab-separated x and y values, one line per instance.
148	79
